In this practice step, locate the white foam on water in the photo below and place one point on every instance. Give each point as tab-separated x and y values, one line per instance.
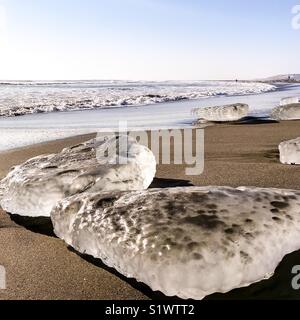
39	127
20	98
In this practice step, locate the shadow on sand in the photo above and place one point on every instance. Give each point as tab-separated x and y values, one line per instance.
250	120
254	120
273	155
41	225
170	183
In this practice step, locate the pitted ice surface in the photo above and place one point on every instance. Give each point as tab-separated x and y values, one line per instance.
34	187
231	112
290	151
188	242
286	112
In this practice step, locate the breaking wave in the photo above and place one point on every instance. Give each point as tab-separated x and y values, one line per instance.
27	97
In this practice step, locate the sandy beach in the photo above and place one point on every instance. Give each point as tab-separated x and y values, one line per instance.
41	266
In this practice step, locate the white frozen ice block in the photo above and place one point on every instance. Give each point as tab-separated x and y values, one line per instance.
290	151
188	242
232	112
34	187
286	112
290	100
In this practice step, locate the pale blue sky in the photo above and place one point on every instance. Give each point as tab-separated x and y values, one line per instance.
147	39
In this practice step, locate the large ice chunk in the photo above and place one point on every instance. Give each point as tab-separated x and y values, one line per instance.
34	187
231	112
286	112
290	151
190	241
290	100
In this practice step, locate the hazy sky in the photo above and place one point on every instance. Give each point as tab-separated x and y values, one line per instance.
147	39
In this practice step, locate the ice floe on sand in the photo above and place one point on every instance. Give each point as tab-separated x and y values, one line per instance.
286	112
189	242
232	112
290	100
290	151
34	187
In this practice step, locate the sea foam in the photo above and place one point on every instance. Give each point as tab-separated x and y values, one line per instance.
21	98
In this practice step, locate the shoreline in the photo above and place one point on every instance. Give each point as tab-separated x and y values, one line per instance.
35	128
247	144
41	266
278	86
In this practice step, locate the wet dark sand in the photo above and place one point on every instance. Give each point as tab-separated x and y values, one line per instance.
40	266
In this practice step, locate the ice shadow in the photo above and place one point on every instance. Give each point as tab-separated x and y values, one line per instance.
249	120
169	183
41	225
273	155
255	120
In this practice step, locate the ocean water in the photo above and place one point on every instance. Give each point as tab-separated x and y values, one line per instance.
20	98
37	126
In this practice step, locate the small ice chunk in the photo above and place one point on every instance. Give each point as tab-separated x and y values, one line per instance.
290	100
286	112
34	187
290	151
232	112
188	242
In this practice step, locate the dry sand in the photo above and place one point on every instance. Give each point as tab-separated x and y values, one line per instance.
40	266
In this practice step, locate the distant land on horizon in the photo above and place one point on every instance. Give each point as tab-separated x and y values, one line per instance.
290	78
